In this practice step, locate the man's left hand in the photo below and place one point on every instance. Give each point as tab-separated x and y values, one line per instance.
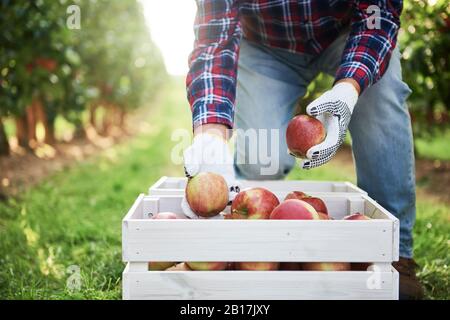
334	109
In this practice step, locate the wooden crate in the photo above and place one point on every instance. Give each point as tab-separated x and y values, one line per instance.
375	241
176	186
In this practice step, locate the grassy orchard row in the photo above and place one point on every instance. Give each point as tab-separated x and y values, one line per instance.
207	196
108	67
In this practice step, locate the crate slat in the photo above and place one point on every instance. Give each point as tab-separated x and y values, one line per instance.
258	240
261	285
176	186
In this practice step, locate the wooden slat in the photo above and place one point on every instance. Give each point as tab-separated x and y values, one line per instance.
135	212
258	240
339	205
175	186
126	295
376	211
258	285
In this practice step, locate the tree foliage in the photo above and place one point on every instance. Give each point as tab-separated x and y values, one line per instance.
111	59
425	42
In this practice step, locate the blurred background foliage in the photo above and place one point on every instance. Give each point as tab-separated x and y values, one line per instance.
49	70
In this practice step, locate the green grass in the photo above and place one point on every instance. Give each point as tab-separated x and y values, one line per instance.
74	217
435	147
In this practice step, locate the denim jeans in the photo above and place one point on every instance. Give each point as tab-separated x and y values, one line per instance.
270	82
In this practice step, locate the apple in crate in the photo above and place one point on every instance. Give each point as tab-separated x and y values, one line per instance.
304	132
356	216
207	194
160	265
207	266
326	266
317	203
360	266
295	195
290	266
254	203
324	216
294	209
165	215
257	266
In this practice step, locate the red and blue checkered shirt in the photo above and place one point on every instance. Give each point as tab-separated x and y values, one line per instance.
301	26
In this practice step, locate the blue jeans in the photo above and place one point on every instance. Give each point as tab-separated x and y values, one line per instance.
270	82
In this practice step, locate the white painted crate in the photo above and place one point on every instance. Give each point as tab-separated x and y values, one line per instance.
176	186
373	241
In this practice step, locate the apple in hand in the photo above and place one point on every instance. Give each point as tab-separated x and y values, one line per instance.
257	266
207	194
304	132
255	203
207	266
294	209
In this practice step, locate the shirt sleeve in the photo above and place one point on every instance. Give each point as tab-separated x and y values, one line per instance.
372	39
211	80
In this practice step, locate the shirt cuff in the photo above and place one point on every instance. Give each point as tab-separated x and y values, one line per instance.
356	71
212	113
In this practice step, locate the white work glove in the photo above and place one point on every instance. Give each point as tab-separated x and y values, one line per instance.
334	109
209	153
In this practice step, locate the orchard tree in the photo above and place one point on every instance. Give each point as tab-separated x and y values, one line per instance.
47	69
119	61
425	41
33	62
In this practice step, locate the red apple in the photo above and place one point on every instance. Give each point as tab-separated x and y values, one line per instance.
255	203
179	267
295	195
207	194
304	132
230	266
257	266
291	266
324	216
165	215
160	265
360	266
326	266
207	266
357	216
317	203
293	209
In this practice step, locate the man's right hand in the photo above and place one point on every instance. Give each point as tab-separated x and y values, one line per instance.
209	152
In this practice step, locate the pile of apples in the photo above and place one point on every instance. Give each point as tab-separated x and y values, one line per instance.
207	195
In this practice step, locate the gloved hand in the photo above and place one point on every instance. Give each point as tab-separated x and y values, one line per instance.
334	109
209	153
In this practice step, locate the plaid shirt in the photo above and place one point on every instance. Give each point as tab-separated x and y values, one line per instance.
301	26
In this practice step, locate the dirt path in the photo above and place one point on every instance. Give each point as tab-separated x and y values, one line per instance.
22	170
432	176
